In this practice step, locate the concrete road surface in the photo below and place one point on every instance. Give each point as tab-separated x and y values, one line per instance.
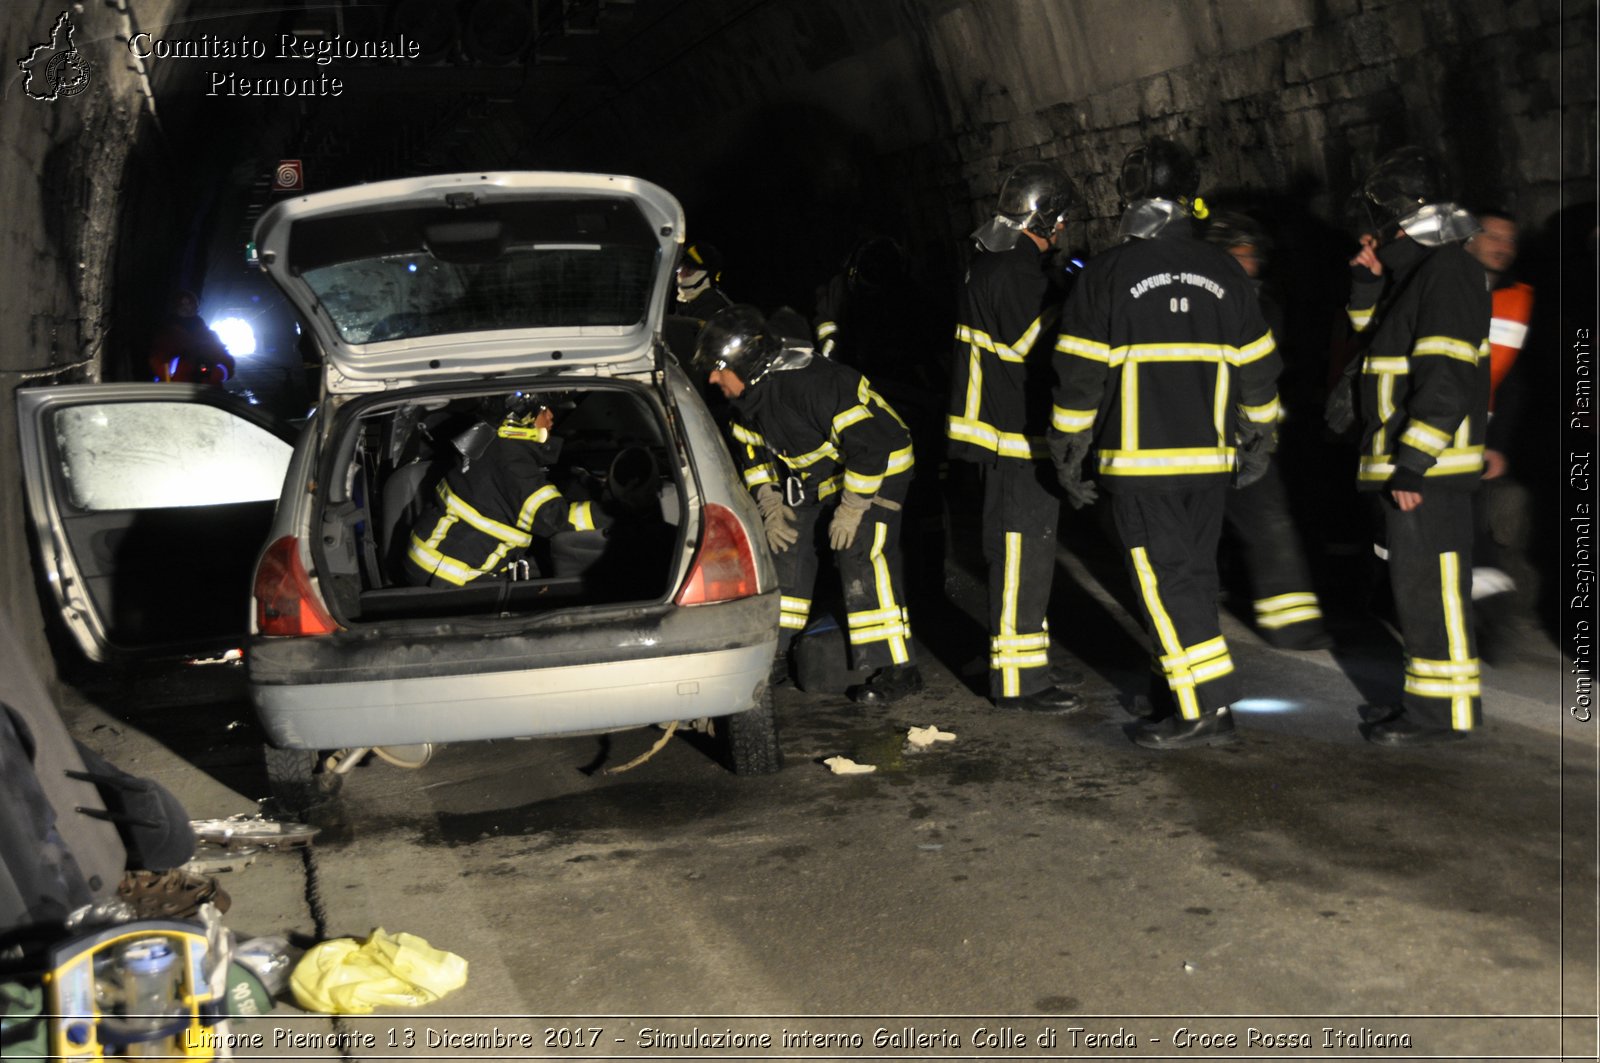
1038	887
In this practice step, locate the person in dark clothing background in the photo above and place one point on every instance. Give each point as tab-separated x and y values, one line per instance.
491	505
999	411
1424	405
699	273
813	439
186	350
1167	368
1287	611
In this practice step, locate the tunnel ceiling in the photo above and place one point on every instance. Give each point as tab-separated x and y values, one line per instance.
493	79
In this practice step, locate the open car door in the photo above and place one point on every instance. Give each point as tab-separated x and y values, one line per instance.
150	504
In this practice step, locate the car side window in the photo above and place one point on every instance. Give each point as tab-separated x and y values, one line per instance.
165	455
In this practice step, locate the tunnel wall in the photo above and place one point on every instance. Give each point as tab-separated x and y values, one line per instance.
794	117
63	185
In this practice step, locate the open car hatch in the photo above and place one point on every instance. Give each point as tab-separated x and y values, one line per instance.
469	275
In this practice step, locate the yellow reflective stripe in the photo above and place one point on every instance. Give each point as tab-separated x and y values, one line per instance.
1453	461
1015	660
1167	461
1360	319
1457	636
1176	352
580	516
826	329
895	634
1010	588
1386	398
1037	640
1463	669
1255	350
1180	683
810	458
1454	689
530	507
761	474
793	612
1070	421
828	487
1386	364
1091	349
846	418
446	568
1281	610
459	508
745	435
1023	345
1130	406
1425	437
974	398
862	485
1446	346
1267	413
985	435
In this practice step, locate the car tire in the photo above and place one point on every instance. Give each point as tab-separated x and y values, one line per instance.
294	781
749	739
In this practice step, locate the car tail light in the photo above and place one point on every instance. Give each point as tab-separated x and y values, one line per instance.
285	602
724	567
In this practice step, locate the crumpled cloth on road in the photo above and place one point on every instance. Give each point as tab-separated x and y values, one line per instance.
923	737
846	766
348	977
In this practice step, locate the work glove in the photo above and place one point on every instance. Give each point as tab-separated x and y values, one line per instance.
847	520
1254	453
1068	450
777	519
1404	479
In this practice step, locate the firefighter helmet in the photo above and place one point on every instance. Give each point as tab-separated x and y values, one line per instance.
739	338
1403	182
1158	169
1034	197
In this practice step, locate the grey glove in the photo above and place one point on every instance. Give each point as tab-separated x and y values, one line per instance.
847	520
1067	451
1254	453
777	518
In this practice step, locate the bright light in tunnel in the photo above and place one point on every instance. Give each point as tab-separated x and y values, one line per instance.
1265	706
236	335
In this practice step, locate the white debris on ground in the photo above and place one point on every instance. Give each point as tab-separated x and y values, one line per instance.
924	737
846	766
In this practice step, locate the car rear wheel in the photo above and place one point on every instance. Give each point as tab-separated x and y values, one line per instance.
749	739
294	781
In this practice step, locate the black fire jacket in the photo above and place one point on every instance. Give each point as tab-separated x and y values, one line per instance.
1425	376
1162	347
826	428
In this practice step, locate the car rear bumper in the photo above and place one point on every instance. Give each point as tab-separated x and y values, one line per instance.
593	674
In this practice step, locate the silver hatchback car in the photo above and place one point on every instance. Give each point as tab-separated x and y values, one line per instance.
434	301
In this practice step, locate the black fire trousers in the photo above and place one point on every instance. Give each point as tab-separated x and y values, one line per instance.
1286	608
875	612
1020	513
1169	543
1430	569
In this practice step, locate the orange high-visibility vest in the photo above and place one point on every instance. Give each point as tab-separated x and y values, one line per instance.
1508	327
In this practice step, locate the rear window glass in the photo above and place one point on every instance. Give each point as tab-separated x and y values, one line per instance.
400	274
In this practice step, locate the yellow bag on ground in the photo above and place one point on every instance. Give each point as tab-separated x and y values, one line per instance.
347	977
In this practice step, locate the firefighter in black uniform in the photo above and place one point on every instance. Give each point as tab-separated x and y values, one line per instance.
1166	366
999	412
699	273
813	439
1287	611
1424	401
490	506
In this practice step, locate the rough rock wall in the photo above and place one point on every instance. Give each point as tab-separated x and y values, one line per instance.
804	117
60	183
